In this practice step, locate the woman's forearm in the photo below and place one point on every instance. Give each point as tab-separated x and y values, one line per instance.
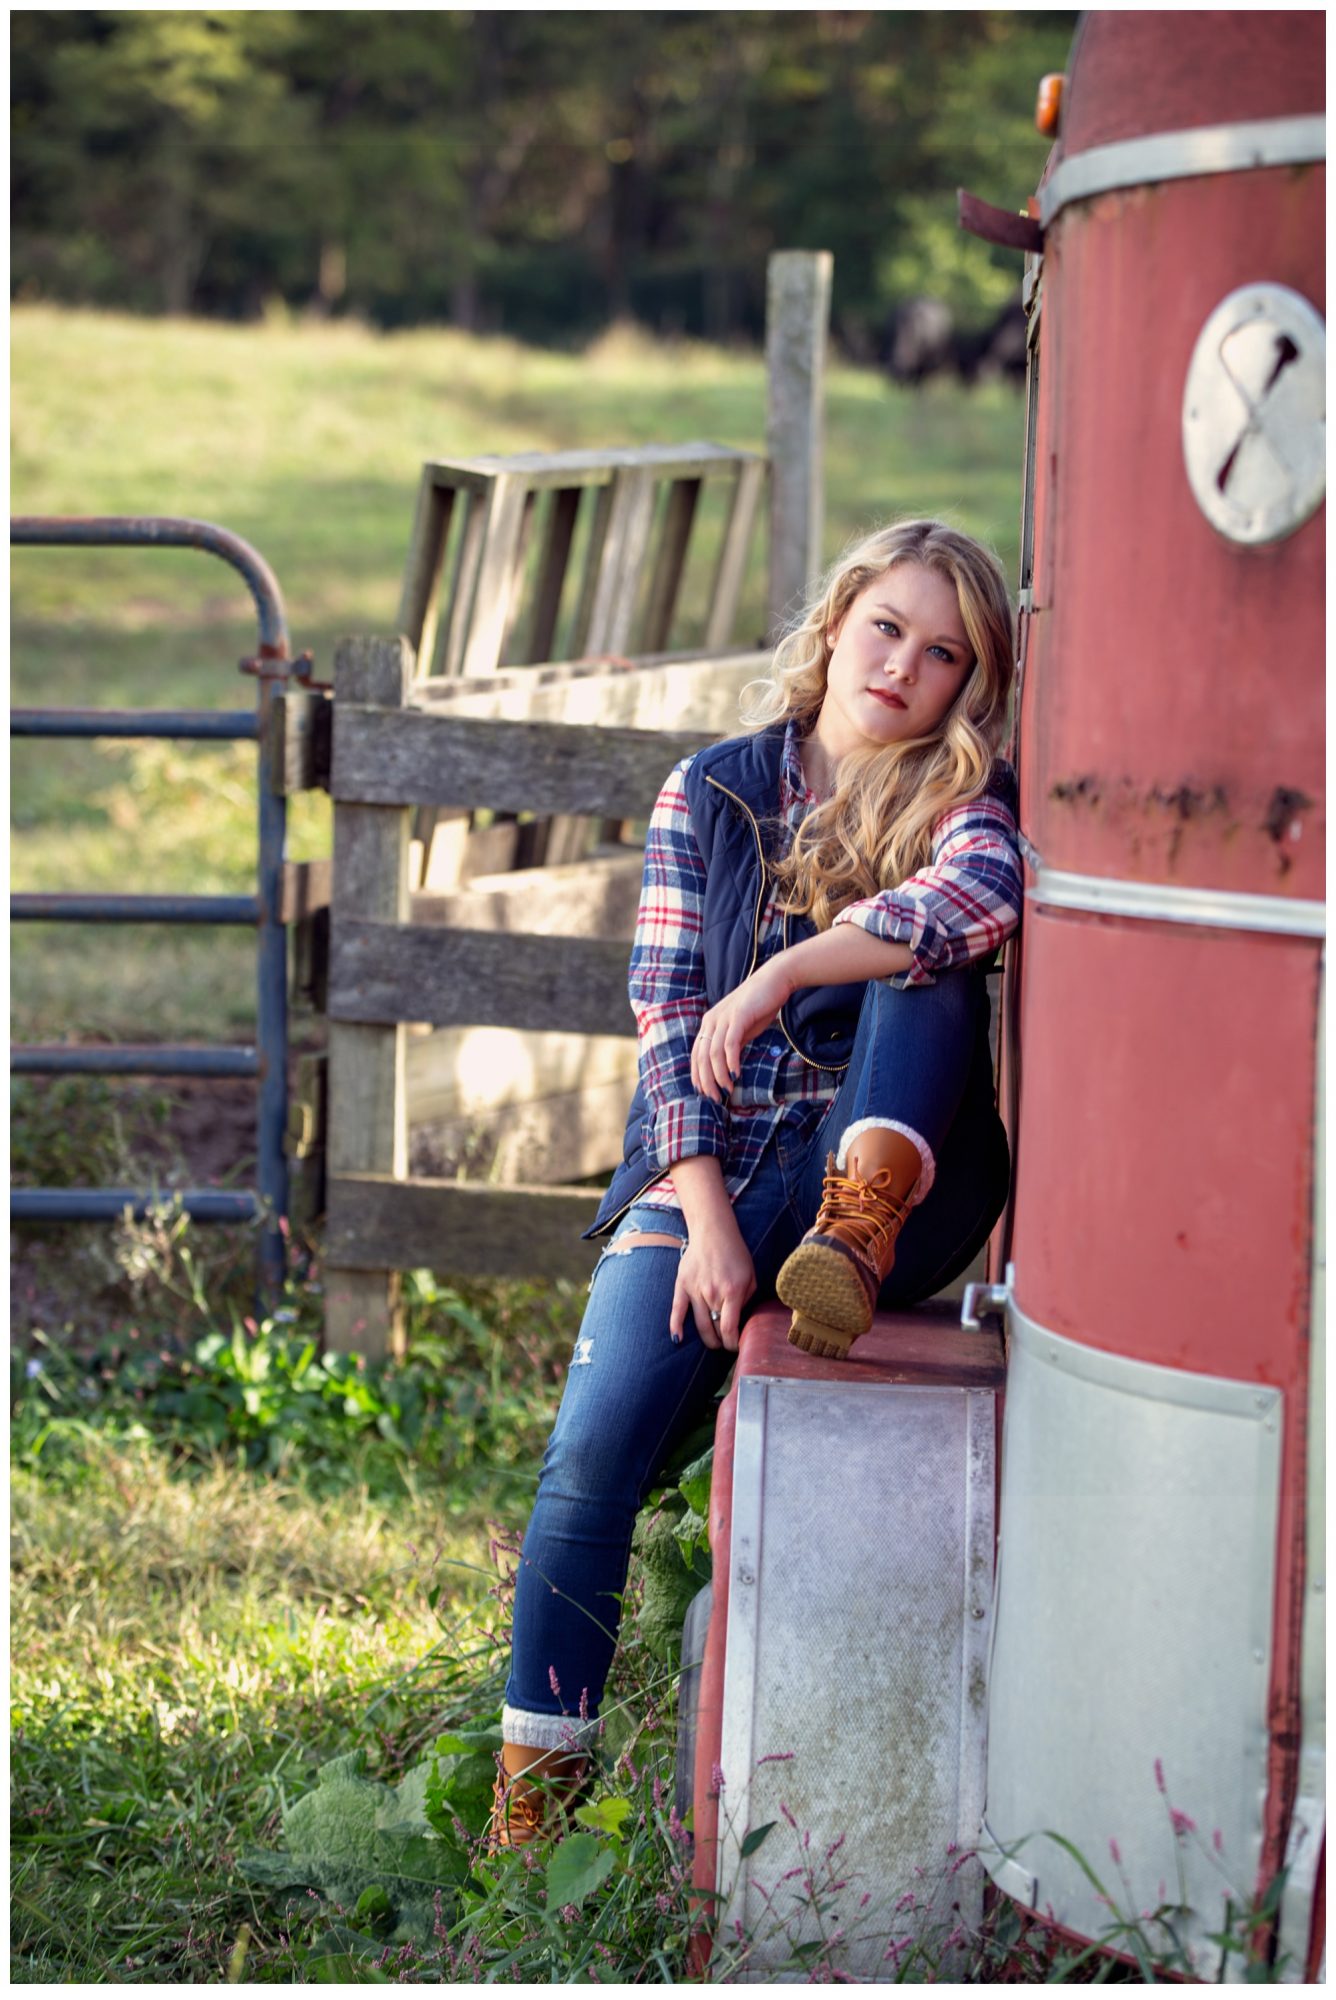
845	953
699	1185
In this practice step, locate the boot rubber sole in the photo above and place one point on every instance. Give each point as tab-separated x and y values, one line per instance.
821	1283
813	1337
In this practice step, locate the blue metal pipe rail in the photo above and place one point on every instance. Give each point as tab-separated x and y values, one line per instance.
59	1059
108	1204
272	667
63	908
234	725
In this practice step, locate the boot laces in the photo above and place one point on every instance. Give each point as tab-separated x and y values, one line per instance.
866	1209
517	1813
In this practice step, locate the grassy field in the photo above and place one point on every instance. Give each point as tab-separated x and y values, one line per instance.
307	440
222	1576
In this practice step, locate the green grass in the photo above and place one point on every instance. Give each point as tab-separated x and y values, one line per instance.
213	1597
230	1562
235	1562
307	440
186	1652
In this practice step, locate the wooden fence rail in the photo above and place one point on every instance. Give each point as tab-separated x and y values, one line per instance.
386	971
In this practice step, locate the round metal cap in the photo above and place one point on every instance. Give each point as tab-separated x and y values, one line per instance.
1254	414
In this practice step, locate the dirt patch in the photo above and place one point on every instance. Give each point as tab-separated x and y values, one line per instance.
67	1278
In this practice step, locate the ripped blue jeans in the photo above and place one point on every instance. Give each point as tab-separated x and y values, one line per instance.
632	1395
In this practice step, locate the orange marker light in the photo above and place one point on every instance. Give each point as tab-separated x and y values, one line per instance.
1048	106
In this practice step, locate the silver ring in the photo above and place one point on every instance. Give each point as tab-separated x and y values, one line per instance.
715	1317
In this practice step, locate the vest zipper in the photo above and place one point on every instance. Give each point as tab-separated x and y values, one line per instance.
760	856
834	1068
613	1220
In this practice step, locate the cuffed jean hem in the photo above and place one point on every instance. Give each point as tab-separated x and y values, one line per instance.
547	1732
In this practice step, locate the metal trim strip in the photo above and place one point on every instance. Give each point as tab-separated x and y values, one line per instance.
744	1560
976	1635
1308	1819
1164	902
1171	156
1223	1395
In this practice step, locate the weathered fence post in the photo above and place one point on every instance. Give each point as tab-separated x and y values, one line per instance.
796	318
368	1122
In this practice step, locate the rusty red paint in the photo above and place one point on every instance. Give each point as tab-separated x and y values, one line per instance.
1135	73
1171	731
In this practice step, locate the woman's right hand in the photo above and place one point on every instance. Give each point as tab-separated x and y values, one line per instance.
714	1275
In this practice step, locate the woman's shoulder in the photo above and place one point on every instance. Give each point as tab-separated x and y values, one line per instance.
743	760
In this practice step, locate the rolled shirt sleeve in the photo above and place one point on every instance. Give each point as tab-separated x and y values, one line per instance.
962	906
667	984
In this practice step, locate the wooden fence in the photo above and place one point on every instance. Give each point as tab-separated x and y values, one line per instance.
386	971
541	961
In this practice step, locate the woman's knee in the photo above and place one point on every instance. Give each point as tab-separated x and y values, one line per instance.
952	998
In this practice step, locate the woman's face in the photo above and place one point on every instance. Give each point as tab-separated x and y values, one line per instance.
899	657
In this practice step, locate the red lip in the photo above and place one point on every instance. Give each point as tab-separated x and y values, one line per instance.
885	694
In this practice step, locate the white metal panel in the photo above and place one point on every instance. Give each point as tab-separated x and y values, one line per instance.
1132	1627
860	1579
1308	1824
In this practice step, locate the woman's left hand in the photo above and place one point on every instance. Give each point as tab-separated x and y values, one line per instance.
742	1015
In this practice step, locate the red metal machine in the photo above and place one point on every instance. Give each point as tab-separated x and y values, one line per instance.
1154	1669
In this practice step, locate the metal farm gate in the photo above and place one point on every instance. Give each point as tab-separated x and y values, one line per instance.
274	670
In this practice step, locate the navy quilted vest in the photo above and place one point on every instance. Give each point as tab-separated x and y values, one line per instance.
733	794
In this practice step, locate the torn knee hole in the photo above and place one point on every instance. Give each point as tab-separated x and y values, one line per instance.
637	1237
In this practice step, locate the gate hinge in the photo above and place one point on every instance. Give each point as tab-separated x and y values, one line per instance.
269	666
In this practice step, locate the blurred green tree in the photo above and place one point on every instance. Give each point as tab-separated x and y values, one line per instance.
541	172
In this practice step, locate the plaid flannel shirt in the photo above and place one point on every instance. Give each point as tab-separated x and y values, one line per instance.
960	907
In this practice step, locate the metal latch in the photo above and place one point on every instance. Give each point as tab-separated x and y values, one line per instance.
981	1302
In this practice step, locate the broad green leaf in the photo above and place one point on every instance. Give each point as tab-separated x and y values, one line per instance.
605	1817
695	1482
756	1836
579	1866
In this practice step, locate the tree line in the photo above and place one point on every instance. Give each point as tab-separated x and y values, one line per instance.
538	173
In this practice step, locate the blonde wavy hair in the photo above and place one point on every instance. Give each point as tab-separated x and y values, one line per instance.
876	827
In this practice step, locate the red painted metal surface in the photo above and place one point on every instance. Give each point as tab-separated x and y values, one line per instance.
1171	720
926	1347
1171	732
1168	71
1163	1177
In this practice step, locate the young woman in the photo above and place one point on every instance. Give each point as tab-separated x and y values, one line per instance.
815	1112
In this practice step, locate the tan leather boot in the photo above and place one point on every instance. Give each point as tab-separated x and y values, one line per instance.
535	1792
833	1277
